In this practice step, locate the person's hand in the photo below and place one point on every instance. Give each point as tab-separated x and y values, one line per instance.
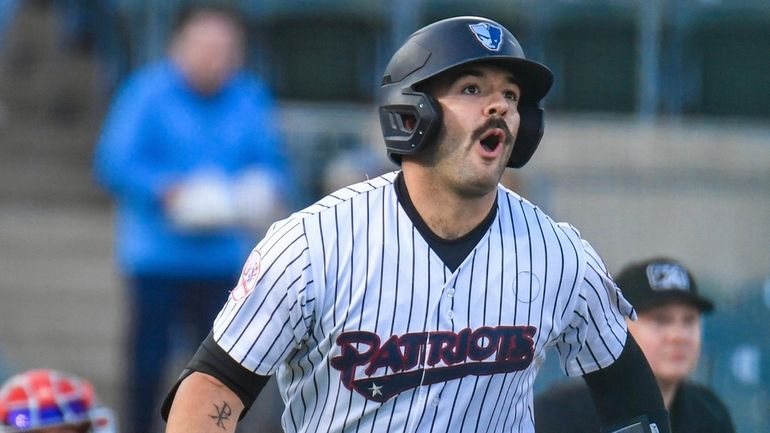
204	202
257	202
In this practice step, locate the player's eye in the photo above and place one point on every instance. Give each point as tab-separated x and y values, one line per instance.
691	319
661	320
471	89
511	95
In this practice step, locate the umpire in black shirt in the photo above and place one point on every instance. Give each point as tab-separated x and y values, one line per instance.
668	330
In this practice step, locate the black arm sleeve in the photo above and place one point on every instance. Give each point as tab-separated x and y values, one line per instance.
214	361
627	389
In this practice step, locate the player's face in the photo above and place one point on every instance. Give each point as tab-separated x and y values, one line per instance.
670	337
208	49
479	105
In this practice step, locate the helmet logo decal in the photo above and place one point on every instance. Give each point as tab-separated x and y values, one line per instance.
490	35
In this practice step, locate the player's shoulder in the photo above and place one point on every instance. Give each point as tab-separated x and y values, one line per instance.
507	197
248	88
154	74
696	398
147	83
244	80
562	233
701	394
344	195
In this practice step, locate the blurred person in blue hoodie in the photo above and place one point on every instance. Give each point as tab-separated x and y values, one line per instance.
190	151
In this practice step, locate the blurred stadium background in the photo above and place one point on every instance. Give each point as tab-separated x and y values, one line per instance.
657	142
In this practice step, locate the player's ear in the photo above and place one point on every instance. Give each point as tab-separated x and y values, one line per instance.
410	123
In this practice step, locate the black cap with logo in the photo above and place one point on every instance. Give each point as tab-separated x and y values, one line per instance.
655	282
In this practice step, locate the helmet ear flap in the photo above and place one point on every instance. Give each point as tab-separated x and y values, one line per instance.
409	123
531	128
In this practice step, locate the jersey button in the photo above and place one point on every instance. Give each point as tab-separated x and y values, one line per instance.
450	292
435	401
450	314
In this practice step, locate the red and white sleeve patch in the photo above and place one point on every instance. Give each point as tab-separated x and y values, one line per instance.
249	277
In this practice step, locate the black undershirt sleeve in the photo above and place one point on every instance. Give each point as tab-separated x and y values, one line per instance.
214	361
627	389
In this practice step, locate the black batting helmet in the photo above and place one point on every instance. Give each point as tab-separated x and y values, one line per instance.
442	46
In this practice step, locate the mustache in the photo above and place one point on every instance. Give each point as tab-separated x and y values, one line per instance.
490	124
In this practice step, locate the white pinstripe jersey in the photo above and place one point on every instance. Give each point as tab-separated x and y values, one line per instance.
368	331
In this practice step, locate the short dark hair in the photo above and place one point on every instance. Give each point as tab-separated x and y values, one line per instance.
193	10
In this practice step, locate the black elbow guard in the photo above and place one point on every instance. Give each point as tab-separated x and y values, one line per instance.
626	391
215	362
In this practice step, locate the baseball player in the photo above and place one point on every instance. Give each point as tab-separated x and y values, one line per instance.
50	401
668	330
424	300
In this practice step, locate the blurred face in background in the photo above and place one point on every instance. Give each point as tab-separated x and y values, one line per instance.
208	49
670	337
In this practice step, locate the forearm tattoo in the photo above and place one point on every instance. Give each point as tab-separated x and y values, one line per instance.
222	414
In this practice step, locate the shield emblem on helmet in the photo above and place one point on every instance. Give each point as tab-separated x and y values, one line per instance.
490	35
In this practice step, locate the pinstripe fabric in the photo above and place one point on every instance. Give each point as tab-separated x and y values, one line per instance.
368	331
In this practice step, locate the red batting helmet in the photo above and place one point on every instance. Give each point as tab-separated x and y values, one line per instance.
38	399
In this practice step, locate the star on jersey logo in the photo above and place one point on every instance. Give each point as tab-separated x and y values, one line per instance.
376	390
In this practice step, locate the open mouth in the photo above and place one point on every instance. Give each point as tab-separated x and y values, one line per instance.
492	139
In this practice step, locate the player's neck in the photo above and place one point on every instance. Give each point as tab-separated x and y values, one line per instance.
446	213
668	392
